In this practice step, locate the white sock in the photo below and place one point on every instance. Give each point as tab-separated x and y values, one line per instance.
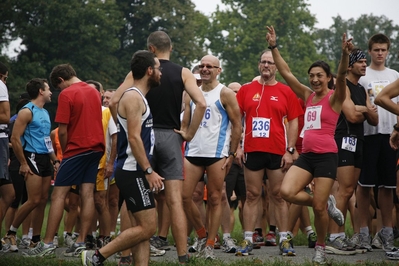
283	236
364	231
12	228
25	236
334	236
30	233
226	235
309	230
248	235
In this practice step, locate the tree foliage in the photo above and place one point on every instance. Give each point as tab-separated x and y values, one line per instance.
98	37
360	30
238	35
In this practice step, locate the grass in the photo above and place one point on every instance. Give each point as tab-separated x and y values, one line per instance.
299	240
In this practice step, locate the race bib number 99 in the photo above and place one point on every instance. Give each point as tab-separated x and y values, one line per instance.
260	127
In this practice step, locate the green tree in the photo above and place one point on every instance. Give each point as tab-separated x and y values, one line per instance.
185	26
360	30
237	36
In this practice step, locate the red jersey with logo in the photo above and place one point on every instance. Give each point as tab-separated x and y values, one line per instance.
79	106
264	109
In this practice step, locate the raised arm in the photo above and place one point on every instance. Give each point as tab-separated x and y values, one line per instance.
190	84
300	90
339	95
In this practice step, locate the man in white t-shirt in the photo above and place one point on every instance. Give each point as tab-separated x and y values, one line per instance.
379	161
7	193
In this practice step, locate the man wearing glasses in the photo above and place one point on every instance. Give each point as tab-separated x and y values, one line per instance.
212	149
268	146
6	187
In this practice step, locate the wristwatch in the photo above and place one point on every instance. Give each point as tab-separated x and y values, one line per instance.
272	47
148	171
291	150
395	127
233	153
56	161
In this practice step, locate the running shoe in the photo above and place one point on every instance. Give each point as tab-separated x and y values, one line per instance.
339	247
75	250
361	241
55	241
10	244
244	248
159	243
207	253
392	255
270	239
312	239
387	242
69	240
319	257
229	245
89	259
154	252
376	242
194	247
286	247
25	243
41	250
334	212
257	239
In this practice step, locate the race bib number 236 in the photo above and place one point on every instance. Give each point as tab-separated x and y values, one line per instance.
260	127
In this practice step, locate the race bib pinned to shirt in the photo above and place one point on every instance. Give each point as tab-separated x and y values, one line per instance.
49	144
313	117
260	127
349	144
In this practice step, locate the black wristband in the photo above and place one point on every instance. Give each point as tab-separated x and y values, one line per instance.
233	153
272	47
395	127
56	161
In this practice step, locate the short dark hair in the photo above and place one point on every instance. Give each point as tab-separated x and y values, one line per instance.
34	85
160	40
64	71
140	62
96	84
323	65
378	38
3	68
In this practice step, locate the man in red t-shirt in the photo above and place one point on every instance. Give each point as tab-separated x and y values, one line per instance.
81	137
268	144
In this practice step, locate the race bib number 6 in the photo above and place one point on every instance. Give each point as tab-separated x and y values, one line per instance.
260	127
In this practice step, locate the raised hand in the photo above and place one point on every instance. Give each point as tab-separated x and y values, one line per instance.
347	45
271	36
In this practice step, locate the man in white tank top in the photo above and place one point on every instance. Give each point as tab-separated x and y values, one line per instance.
212	149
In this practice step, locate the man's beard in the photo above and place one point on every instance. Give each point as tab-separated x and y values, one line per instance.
153	82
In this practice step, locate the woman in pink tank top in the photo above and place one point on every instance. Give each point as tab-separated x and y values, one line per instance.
319	159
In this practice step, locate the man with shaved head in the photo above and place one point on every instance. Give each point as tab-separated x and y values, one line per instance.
212	149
